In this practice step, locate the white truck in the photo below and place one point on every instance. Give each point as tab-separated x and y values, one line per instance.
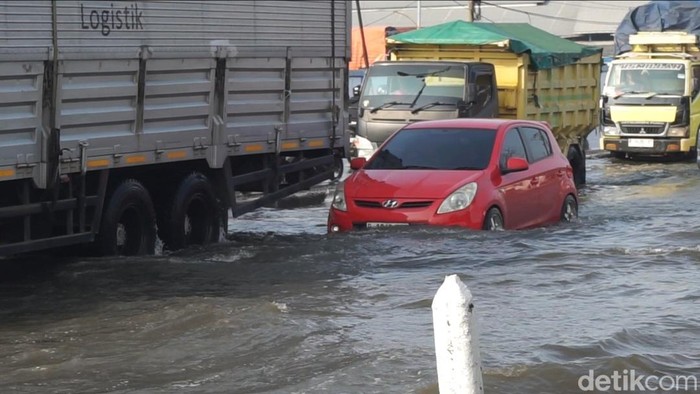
123	121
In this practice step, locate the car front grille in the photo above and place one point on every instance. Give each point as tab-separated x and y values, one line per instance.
405	205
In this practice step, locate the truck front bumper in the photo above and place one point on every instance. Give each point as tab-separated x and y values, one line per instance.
660	146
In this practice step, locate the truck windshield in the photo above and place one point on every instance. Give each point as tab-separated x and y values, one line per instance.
660	78
442	149
403	83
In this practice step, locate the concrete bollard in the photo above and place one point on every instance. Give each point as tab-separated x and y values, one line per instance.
456	339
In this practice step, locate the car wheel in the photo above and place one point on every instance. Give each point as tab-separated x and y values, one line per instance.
494	220
569	210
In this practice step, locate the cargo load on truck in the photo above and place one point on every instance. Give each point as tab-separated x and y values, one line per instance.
122	117
649	105
509	70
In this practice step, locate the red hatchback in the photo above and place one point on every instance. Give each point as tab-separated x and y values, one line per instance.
490	174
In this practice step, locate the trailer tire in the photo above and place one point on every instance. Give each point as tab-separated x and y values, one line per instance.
128	223
190	215
578	164
338	167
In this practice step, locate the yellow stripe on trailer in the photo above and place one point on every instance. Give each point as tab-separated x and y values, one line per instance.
253	148
136	159
178	154
98	163
290	145
316	143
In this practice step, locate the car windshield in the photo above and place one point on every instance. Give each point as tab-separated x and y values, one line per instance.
441	149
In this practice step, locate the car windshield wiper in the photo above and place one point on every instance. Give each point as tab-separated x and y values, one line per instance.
387	105
468	168
434	103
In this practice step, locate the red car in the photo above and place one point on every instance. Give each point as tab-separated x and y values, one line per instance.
490	174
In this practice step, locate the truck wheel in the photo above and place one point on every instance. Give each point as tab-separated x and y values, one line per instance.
338	167
494	220
578	163
128	222
190	217
569	210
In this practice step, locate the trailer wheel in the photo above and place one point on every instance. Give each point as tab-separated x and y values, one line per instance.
578	163
128	222
190	217
338	167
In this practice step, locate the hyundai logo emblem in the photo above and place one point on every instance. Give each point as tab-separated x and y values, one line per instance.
390	204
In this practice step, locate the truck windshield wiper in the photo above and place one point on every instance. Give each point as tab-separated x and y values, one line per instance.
387	105
434	103
629	92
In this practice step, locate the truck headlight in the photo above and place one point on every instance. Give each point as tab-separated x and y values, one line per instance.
339	198
611	130
678	131
459	199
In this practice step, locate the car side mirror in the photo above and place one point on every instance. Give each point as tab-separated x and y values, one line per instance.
356	91
515	164
357	163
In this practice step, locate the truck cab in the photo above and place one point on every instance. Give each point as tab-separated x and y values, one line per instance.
649	104
396	93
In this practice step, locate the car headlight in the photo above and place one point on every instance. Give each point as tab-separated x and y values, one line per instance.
459	199
678	131
611	130
339	198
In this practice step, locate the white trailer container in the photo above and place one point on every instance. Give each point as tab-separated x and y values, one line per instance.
117	115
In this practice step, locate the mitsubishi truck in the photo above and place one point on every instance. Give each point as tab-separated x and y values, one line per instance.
650	106
485	70
127	121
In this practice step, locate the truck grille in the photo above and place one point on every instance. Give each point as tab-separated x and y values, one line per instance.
651	128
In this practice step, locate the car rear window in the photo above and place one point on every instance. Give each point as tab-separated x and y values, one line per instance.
443	149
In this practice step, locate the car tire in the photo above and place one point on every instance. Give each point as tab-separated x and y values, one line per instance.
494	220
569	209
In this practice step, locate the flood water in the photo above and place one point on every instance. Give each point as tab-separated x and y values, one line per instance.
283	308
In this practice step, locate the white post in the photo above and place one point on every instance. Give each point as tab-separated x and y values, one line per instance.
456	339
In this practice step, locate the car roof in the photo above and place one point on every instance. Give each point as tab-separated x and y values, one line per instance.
493	124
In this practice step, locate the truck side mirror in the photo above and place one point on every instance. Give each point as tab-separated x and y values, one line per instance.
696	86
356	91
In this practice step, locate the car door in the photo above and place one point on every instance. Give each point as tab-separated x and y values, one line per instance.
515	186
543	188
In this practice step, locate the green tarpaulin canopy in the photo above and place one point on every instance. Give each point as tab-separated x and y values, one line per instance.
546	50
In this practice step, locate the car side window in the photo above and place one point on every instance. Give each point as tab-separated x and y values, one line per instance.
512	147
537	143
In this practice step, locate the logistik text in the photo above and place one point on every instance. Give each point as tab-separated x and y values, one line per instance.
114	18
